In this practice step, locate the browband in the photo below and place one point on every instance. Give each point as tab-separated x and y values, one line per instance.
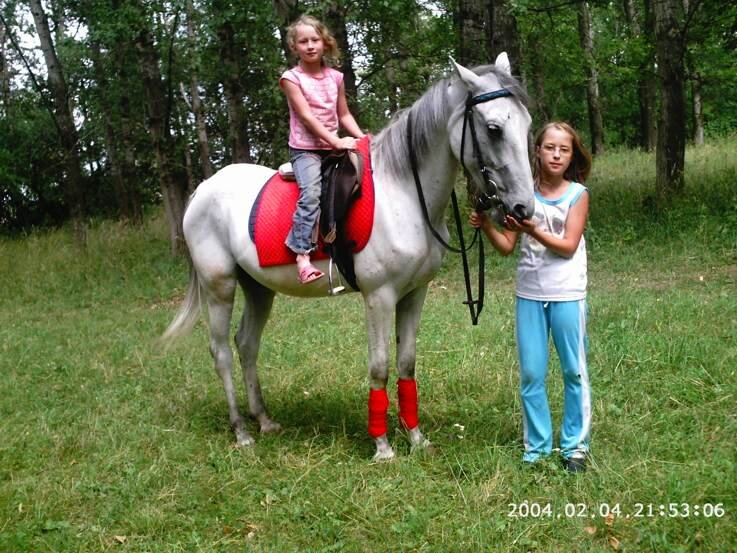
481	98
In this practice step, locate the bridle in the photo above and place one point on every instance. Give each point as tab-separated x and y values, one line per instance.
486	200
490	197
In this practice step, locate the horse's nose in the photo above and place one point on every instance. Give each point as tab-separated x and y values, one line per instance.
521	212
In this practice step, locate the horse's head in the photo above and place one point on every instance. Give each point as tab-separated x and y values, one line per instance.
495	149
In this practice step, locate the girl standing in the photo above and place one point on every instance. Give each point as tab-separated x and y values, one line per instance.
317	107
551	293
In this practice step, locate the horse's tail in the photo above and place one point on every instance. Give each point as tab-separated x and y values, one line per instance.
188	314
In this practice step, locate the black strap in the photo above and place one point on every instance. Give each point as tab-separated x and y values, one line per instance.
474	306
421	195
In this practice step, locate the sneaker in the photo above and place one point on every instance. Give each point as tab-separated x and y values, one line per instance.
575	464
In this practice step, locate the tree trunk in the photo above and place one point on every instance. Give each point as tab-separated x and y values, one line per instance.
537	75
698	113
695	78
234	95
473	43
121	165
74	183
503	33
646	96
670	153
286	11
171	178
196	104
4	73
596	125
335	14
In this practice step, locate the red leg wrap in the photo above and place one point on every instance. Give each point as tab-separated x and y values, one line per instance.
378	406
407	392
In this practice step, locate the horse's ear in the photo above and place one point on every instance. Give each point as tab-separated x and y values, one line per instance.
470	78
502	64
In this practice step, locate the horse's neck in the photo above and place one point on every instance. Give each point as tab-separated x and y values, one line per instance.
438	170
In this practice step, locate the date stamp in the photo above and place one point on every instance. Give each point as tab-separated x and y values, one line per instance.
537	510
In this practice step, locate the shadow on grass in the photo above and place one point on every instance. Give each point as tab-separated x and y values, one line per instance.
342	417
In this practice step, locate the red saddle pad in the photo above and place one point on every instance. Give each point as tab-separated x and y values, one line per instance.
271	215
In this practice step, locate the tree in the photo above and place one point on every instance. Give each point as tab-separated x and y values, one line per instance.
4	71
231	54
335	19
596	125
503	33
286	12
194	90
671	149
73	184
646	85
172	178
472	22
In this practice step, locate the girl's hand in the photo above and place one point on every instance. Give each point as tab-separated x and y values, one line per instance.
526	225
345	143
476	220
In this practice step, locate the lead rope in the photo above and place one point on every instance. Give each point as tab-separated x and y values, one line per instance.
474	306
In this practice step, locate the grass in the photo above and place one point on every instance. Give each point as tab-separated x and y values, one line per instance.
109	443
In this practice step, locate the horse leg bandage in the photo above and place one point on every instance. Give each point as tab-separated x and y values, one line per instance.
378	406
407	393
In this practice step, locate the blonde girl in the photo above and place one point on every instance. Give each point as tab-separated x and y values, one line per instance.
317	108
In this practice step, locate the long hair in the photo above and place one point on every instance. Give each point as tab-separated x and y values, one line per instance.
331	54
580	165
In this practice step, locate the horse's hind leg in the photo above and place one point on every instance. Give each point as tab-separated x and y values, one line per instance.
258	302
220	293
409	309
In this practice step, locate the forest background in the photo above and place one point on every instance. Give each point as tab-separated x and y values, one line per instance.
112	106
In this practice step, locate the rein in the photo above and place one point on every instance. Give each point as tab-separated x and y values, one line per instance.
486	201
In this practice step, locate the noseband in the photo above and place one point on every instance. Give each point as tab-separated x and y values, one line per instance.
486	200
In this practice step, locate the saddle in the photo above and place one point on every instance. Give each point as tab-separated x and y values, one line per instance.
342	172
346	211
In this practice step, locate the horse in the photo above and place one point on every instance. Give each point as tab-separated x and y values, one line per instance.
399	260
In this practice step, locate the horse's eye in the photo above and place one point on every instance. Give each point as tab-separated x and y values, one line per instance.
495	132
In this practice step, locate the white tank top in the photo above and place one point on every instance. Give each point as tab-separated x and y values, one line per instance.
543	274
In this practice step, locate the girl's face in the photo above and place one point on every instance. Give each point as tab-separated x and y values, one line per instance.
555	151
308	44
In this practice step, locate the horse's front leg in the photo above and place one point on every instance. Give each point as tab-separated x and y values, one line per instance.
409	309
379	313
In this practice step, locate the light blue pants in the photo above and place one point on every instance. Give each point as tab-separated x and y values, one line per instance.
566	321
307	166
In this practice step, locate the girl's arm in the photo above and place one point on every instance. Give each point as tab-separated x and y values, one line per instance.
302	109
575	224
345	116
503	241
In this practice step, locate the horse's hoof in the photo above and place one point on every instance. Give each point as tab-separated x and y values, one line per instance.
383	456
270	427
244	439
425	447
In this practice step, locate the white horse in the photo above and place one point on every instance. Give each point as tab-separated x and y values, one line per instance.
400	258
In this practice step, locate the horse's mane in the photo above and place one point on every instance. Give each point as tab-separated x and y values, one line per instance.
429	112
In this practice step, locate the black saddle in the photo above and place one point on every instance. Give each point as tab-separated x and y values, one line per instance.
341	186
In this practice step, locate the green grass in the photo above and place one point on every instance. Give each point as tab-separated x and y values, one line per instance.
108	443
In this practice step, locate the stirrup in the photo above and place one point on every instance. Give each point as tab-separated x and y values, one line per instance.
334	290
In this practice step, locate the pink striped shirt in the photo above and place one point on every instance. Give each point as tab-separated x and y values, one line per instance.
321	93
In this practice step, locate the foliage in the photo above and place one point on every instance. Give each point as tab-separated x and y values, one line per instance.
398	48
110	442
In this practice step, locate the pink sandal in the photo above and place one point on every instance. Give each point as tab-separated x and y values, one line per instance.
309	274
